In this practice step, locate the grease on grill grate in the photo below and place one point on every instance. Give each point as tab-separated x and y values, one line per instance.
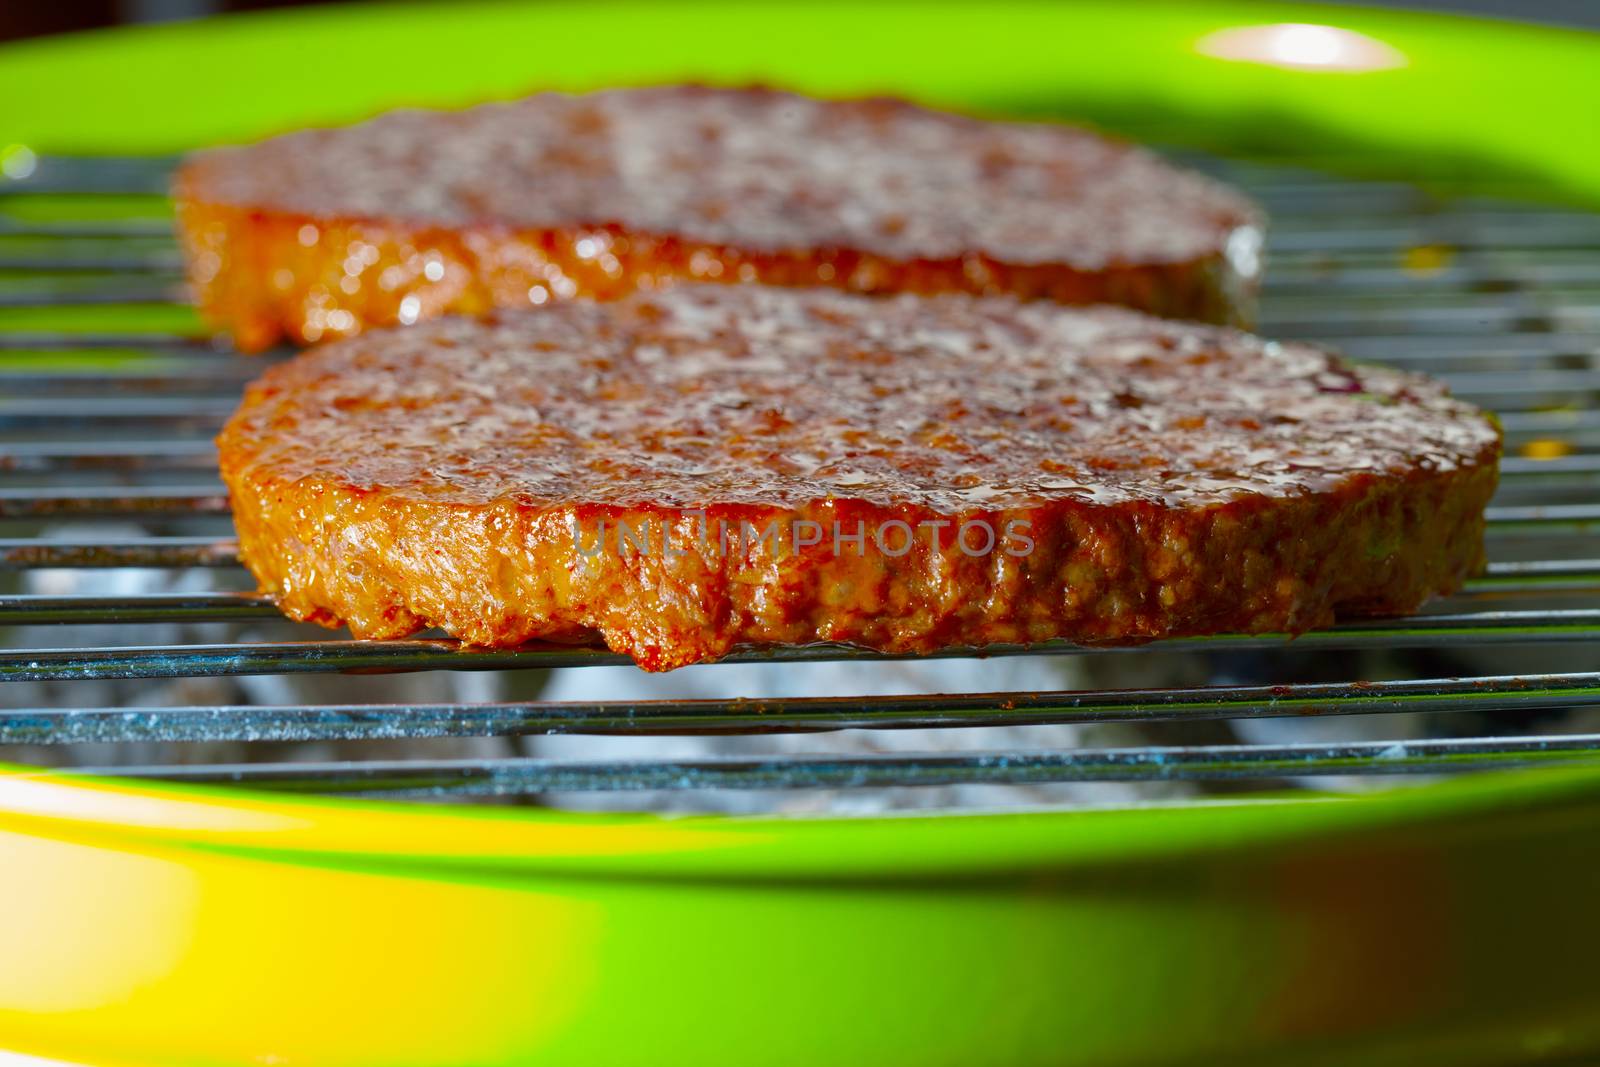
133	645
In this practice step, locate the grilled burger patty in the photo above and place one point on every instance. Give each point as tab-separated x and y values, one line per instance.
684	471
324	232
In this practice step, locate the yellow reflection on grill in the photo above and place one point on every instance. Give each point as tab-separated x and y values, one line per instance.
1546	448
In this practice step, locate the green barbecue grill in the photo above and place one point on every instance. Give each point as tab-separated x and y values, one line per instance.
1434	186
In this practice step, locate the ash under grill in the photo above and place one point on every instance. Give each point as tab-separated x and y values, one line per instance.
108	401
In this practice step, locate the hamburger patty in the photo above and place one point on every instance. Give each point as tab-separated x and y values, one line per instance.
685	471
414	214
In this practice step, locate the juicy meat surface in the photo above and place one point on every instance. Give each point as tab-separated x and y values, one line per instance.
685	471
320	233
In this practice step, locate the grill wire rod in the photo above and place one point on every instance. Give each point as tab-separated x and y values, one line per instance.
310	657
346	722
508	777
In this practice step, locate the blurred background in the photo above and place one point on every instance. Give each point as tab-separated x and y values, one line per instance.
19	20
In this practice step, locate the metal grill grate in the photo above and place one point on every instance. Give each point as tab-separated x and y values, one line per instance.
103	423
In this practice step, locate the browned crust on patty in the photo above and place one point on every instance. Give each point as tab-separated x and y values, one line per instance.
1174	479
322	233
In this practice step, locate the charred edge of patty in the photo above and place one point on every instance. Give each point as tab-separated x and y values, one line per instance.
263	275
503	574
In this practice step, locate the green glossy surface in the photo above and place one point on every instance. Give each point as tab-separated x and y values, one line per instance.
185	926
1515	100
1445	924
